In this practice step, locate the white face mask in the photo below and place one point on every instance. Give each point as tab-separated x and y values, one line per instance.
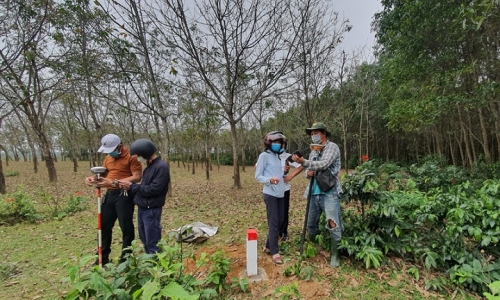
142	160
316	139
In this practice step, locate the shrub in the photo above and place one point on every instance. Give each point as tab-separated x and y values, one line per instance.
16	208
11	173
148	276
74	204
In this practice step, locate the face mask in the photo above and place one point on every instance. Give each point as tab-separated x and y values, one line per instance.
114	153
316	139
275	147
142	159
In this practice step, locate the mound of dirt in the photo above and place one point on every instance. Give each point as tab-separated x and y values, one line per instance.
313	289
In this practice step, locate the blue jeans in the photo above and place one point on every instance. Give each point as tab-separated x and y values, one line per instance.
149	226
329	204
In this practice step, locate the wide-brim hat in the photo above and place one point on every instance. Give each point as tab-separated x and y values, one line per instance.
109	143
317	126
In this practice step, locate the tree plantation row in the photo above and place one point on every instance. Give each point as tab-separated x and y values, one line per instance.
205	80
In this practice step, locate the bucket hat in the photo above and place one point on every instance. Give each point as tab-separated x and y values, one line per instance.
317	126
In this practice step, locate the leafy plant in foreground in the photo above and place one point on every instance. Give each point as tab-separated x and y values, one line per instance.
495	291
147	276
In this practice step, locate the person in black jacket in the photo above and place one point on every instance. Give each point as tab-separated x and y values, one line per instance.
150	194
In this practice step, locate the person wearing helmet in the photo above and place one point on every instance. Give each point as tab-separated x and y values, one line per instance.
150	194
120	165
325	156
269	172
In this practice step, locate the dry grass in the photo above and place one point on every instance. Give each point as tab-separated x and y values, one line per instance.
39	252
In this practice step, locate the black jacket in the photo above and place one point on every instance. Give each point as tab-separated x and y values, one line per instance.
152	190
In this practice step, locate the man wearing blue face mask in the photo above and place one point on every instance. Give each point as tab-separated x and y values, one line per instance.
324	157
269	172
116	204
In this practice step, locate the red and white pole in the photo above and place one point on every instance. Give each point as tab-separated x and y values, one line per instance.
99	235
251	252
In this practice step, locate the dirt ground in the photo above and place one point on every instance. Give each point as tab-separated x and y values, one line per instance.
313	289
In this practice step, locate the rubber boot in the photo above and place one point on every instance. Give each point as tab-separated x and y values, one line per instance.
334	254
312	238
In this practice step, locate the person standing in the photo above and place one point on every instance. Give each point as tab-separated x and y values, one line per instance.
286	162
325	156
269	172
120	165
150	194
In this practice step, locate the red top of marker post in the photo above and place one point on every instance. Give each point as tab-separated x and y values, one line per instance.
251	234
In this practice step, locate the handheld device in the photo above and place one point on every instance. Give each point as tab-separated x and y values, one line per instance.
296	153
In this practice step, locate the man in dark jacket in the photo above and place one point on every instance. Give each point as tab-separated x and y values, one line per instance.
150	194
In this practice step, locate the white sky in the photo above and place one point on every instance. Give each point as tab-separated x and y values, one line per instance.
360	14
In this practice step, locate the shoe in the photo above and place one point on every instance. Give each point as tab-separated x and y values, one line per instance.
105	261
277	259
267	251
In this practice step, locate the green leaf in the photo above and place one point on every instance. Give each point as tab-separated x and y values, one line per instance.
495	287
397	230
150	289
175	291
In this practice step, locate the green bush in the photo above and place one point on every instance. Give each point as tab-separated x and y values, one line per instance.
449	227
74	204
16	208
11	173
148	276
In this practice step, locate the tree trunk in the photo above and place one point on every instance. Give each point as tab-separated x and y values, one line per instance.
484	136
193	171
236	169
494	109
47	157
3	187
465	137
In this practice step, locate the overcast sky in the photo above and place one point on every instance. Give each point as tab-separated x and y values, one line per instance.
360	14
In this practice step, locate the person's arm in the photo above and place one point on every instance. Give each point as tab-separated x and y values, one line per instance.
328	155
259	171
155	187
136	177
295	172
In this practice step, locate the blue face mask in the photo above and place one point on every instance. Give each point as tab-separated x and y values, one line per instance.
275	147
281	150
114	154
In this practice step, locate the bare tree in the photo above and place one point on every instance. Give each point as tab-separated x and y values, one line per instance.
236	48
26	78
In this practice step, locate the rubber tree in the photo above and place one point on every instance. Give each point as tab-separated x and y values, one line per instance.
25	73
238	48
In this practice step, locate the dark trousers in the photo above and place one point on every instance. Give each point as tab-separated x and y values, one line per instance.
149	223
274	209
121	207
283	230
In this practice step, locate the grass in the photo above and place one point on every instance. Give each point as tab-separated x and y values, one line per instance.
33	257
